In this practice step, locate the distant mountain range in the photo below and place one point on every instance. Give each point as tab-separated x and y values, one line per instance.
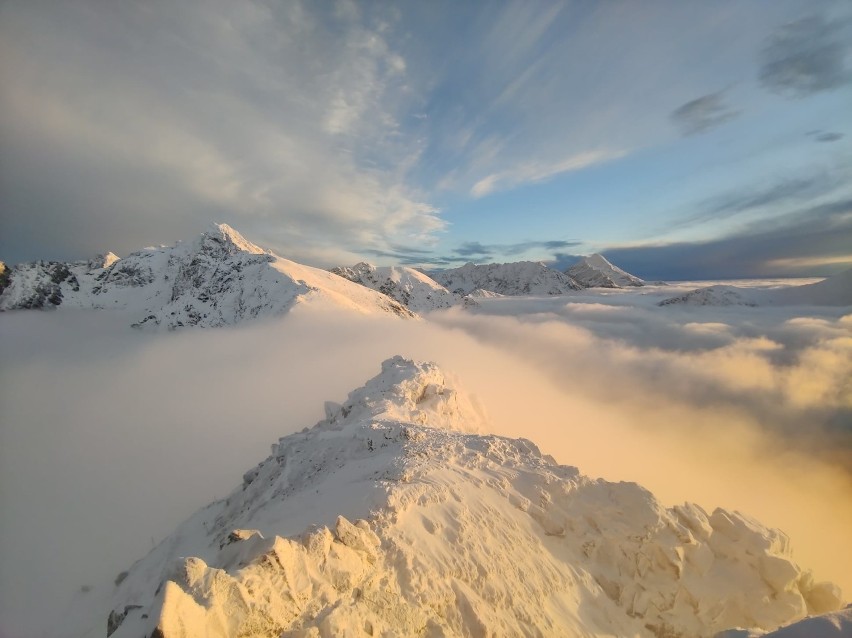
217	279
220	278
833	291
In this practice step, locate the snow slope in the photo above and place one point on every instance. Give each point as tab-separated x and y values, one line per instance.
395	516
413	289
218	279
595	271
836	624
518	278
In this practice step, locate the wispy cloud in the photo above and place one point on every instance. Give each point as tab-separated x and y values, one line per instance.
791	190
825	136
476	249
533	172
806	57
809	241
703	114
269	116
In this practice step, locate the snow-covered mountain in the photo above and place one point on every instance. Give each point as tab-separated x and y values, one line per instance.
217	279
413	289
396	516
595	271
834	291
518	278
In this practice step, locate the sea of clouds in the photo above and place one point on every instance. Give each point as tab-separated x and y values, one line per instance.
110	436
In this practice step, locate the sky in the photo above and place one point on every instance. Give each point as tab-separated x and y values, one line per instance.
684	140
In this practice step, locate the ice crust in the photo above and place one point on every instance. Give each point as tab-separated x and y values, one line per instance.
397	516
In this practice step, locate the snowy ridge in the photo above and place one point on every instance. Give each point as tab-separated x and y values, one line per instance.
595	271
833	291
413	289
518	278
393	517
218	279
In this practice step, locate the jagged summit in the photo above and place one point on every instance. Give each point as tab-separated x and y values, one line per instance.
596	271
512	279
219	278
390	518
229	239
411	392
408	286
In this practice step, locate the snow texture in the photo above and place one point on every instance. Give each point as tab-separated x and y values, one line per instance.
218	279
834	291
413	289
395	516
512	279
595	271
836	624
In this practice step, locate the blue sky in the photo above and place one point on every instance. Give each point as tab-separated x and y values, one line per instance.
682	139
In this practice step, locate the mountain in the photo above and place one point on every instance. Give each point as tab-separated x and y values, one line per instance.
595	271
518	278
218	279
413	289
397	516
833	291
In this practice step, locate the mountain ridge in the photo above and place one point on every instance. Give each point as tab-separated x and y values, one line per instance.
217	279
396	515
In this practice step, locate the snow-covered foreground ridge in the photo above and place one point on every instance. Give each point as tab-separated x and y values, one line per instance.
395	516
217	279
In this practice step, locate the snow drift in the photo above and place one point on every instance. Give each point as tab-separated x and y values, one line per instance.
396	516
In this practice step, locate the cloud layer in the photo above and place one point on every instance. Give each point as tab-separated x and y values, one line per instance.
110	438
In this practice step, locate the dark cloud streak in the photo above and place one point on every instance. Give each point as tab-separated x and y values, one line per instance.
702	114
806	57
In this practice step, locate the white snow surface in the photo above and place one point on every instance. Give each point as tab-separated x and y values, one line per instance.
396	516
412	288
218	279
595	271
512	279
835	624
833	291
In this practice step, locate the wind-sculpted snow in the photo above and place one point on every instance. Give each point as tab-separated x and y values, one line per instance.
513	279
595	271
418	292
218	279
394	516
834	291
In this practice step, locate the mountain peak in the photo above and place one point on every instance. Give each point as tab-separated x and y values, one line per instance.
596	271
411	392
230	239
